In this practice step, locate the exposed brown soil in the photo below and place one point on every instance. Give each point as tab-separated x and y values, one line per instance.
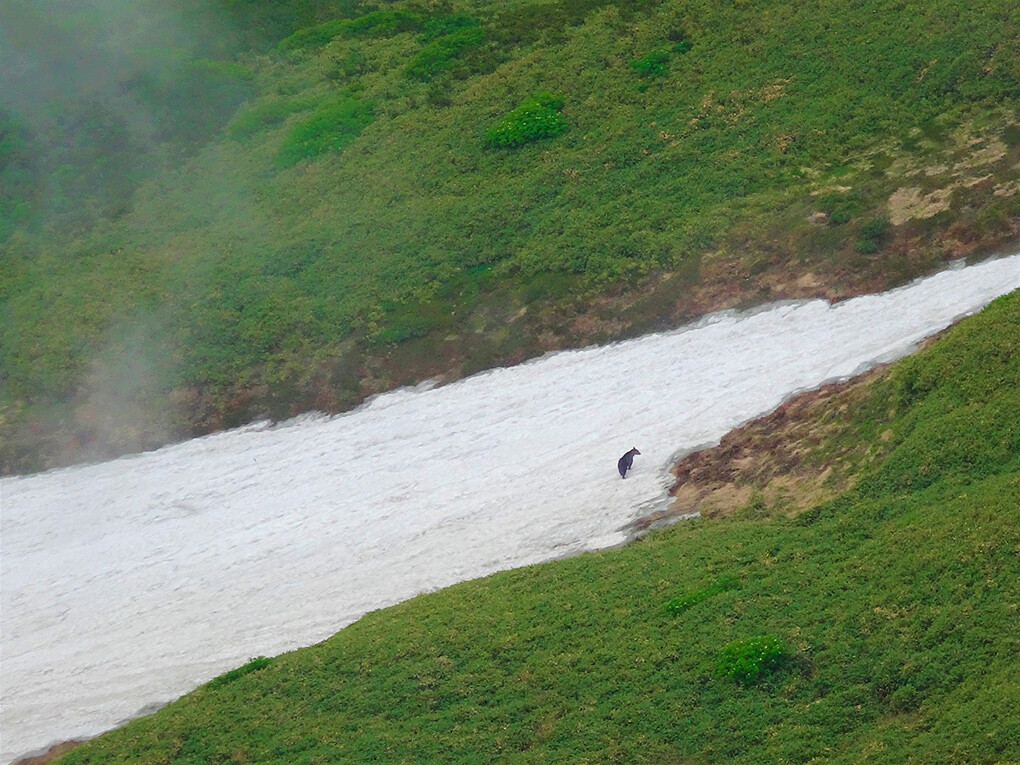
784	463
787	461
741	274
50	754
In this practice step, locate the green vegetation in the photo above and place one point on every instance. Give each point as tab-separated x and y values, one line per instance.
655	63
536	118
749	660
439	54
873	234
259	662
373	24
329	199
882	626
678	605
329	128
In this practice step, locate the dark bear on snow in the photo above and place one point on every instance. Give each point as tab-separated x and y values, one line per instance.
625	462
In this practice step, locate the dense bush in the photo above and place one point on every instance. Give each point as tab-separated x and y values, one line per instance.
330	128
655	63
312	37
839	207
439	54
374	24
384	24
192	99
873	233
676	606
527	22
253	665
536	118
749	660
268	112
440	26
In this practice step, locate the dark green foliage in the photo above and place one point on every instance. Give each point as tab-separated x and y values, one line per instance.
872	235
374	24
840	207
314	37
329	129
536	118
384	24
440	26
439	55
527	22
678	605
258	24
351	64
751	659
254	665
196	98
655	63
1011	136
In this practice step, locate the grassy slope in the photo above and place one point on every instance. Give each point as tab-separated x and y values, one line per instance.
897	602
249	284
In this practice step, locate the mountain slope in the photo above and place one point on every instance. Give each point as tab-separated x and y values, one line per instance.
354	225
890	615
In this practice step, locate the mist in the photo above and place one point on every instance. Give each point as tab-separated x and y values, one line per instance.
107	92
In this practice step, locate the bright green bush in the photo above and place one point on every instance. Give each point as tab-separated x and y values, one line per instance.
536	118
330	128
655	63
751	659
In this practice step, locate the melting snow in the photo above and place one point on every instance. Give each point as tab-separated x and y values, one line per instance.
136	580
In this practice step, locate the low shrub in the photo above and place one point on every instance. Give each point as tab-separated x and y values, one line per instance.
374	24
253	665
749	660
536	118
329	128
873	233
439	55
384	24
195	98
313	37
266	113
840	207
440	26
677	605
655	63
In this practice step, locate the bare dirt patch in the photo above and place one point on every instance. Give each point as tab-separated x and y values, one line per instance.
785	462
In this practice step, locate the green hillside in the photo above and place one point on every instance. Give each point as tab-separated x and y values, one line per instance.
881	626
232	210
